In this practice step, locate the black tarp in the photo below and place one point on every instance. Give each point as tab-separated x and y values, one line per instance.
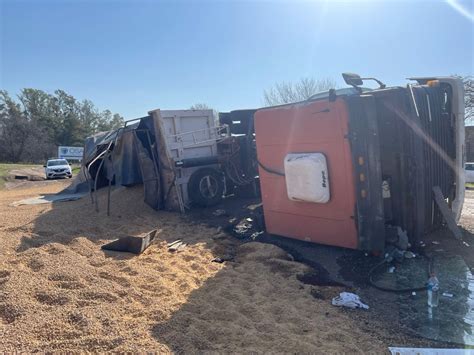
126	156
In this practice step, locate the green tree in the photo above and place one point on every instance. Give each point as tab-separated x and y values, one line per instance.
14	129
32	127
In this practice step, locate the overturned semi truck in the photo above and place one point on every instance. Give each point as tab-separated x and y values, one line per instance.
350	167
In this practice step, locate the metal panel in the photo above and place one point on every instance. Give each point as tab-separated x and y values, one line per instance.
320	126
189	134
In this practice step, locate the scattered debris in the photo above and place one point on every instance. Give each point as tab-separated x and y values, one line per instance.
435	242
173	243
391	269
402	239
221	259
254	207
466	244
132	244
409	255
243	227
397	237
348	299
219	213
256	234
176	246
447	294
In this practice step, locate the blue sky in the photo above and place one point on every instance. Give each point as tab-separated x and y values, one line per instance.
134	56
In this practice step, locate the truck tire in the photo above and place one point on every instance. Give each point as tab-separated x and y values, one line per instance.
206	187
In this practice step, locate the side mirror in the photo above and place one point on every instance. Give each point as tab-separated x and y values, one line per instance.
355	81
352	79
44	166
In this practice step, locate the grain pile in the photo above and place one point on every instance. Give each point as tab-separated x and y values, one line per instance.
59	291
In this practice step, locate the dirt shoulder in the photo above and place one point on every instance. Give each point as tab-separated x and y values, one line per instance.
8	172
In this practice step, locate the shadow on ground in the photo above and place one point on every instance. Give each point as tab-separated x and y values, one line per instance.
255	303
67	221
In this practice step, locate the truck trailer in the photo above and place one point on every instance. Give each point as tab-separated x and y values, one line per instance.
356	168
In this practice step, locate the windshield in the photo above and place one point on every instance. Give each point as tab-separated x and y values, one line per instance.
57	162
470	167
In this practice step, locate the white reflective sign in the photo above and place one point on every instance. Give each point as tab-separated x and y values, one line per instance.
70	152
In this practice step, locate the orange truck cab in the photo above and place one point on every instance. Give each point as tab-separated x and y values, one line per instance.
356	168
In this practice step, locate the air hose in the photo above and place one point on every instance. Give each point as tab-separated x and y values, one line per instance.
269	170
396	290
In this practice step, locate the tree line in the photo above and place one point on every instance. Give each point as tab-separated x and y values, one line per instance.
34	123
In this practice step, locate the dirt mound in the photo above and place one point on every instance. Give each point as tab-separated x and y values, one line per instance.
261	252
60	291
275	258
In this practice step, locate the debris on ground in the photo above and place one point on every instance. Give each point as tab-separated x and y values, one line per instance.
176	246
349	300
254	206
221	259
132	244
219	212
59	292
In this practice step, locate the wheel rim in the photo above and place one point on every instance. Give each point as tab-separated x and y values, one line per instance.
208	186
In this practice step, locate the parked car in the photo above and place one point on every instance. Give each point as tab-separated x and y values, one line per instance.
55	168
469	169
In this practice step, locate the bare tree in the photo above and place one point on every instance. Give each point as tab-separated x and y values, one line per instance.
287	92
469	98
199	106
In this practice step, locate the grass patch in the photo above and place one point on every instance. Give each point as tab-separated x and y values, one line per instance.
76	170
469	185
6	168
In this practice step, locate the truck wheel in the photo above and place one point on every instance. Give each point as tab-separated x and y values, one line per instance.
206	187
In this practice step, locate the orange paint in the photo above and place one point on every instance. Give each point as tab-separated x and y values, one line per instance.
305	128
